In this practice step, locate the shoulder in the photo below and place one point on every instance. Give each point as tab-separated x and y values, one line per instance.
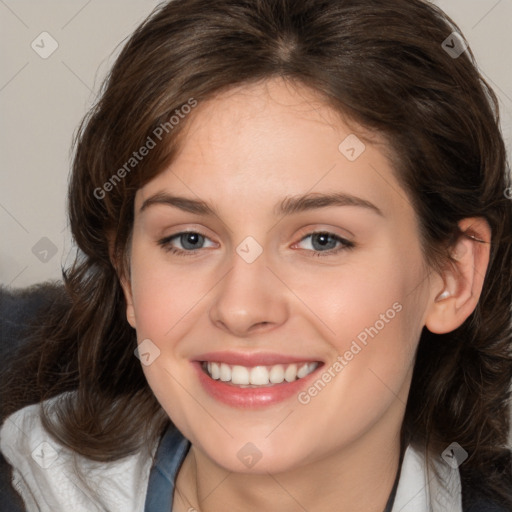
432	484
51	477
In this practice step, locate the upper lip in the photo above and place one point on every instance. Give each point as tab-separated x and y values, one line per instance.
250	359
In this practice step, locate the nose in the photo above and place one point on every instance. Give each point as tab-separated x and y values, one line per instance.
249	299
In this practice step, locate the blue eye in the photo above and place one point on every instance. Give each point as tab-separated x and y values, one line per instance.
324	243
190	241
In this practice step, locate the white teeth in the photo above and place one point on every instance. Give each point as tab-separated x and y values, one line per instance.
258	375
214	371
302	371
225	373
239	375
290	373
276	375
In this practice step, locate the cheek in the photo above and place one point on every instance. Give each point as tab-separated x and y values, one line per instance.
366	296
370	314
165	302
164	297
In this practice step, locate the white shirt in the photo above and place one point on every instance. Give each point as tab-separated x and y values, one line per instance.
47	475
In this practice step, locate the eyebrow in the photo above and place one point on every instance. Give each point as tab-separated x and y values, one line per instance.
288	206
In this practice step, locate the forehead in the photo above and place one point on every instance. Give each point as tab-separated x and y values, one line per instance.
272	138
277	109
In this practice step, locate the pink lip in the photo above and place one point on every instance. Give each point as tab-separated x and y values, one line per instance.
248	398
252	359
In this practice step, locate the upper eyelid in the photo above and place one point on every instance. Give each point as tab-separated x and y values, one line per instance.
305	232
322	232
342	240
179	233
308	231
200	231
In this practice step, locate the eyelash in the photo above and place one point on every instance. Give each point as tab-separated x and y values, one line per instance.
345	244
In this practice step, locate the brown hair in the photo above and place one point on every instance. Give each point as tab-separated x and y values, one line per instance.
380	62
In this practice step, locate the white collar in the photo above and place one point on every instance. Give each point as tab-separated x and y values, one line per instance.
421	489
121	485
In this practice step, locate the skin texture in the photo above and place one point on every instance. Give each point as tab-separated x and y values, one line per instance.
244	152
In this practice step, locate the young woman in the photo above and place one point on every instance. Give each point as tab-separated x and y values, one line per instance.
293	284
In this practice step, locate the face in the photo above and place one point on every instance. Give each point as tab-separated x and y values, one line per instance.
269	319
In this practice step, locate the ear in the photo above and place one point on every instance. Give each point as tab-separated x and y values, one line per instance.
455	299
124	281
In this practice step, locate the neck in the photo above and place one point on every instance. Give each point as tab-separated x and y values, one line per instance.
357	478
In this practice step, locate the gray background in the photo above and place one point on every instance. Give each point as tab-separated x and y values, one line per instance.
43	100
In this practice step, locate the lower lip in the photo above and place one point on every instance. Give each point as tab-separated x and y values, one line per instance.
251	397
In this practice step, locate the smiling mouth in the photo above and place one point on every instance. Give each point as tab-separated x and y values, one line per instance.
258	376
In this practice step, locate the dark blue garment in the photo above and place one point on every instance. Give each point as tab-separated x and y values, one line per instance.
173	449
171	452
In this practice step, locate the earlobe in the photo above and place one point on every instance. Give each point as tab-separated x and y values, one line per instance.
130	315
130	310
463	278
124	281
